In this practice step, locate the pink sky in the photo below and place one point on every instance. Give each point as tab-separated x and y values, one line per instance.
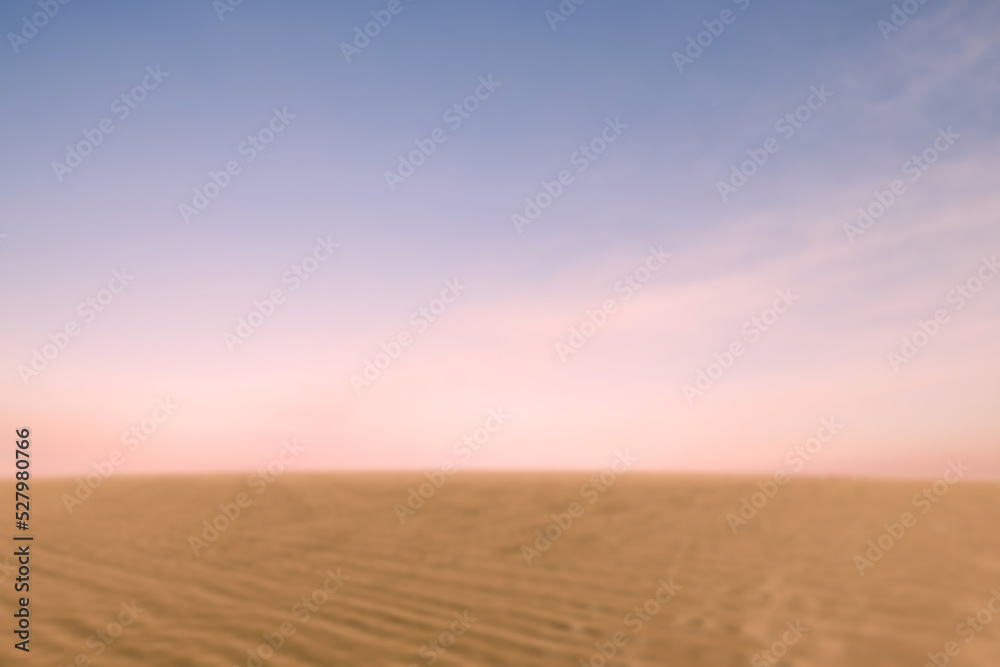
495	345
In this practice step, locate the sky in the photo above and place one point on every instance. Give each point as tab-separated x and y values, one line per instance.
593	208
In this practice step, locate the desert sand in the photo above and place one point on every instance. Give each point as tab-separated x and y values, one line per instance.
455	573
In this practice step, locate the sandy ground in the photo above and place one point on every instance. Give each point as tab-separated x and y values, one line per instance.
326	559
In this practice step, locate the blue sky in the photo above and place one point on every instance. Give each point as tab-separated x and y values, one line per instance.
655	185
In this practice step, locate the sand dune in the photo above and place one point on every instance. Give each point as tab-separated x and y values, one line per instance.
326	559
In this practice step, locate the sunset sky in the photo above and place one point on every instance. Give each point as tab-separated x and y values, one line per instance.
666	138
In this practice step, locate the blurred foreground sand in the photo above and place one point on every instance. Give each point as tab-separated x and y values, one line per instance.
461	554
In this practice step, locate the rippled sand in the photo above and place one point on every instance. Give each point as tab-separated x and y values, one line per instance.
455	573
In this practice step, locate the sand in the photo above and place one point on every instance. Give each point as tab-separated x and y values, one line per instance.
377	592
